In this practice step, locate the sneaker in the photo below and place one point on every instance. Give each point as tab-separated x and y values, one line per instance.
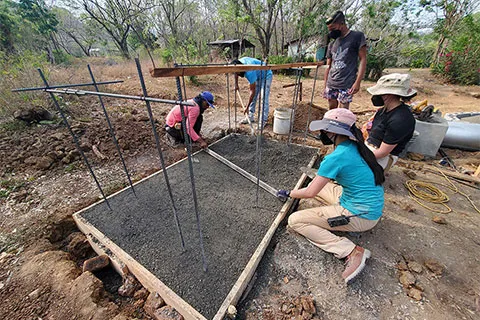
245	121
355	263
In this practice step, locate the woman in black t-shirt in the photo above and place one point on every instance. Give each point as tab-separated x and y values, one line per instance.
393	124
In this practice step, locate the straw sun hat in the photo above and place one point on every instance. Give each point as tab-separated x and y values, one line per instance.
395	83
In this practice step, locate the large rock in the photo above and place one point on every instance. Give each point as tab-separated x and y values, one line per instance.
42	163
96	263
154	302
33	114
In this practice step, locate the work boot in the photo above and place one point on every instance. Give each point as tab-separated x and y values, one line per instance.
355	263
245	121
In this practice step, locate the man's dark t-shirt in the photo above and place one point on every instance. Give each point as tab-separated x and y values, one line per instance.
393	127
344	55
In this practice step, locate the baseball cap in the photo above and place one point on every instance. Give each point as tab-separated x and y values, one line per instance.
338	121
208	96
336	17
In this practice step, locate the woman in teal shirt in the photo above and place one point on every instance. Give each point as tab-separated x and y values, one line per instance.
357	192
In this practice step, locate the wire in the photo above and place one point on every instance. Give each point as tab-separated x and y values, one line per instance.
425	191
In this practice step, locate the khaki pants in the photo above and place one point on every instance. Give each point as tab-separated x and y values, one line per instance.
312	223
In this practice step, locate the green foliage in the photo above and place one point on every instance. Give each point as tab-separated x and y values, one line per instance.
8	186
62	58
461	62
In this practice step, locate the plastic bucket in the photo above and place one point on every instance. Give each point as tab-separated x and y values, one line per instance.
281	120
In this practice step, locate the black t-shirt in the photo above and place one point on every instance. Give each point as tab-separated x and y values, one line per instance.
393	127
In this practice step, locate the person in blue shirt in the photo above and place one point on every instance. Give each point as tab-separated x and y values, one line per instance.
257	79
357	192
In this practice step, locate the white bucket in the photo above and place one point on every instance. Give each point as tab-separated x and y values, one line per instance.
281	120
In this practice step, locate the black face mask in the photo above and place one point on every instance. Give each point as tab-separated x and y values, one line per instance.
325	139
377	101
334	34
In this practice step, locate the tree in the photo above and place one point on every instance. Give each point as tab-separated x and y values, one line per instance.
116	17
263	17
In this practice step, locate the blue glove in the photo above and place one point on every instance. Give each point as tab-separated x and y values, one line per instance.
283	195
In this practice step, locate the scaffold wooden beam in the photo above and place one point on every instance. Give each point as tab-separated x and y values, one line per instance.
204	70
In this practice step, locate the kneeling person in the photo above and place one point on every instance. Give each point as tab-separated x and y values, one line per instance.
193	118
355	201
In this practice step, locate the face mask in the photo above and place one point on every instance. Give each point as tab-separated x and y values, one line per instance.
325	139
334	34
377	101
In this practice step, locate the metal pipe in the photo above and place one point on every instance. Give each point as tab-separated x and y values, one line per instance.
66	86
118	96
192	177
112	131
77	143
160	153
310	106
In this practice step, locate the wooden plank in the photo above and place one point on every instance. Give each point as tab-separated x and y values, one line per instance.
477	172
237	290
203	70
456	175
147	279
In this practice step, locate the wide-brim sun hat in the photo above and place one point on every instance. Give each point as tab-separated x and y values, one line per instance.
338	121
395	83
208	96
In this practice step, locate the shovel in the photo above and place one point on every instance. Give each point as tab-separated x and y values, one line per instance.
244	110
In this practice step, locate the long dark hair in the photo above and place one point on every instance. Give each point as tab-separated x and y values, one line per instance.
368	156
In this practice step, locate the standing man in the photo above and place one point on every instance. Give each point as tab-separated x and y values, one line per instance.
256	79
342	80
193	119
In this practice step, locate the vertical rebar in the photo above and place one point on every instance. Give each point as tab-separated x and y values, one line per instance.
228	101
294	104
261	107
75	139
310	106
111	130
160	153
192	178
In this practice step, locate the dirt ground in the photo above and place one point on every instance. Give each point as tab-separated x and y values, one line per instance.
419	269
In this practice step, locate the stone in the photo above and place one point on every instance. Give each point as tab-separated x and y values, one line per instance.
439	220
130	284
167	313
78	245
434	266
139	304
154	302
415	294
44	163
402	265
406	279
141	294
231	312
308	305
475	94
33	114
34	294
96	263
415	266
285	279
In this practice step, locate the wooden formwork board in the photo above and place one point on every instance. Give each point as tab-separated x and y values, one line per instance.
204	70
103	245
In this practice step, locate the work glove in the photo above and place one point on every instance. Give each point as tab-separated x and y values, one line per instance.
283	195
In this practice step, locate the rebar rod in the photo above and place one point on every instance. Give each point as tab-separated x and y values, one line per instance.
228	101
261	107
310	107
192	177
118	96
160	153
66	86
75	139
111	130
235	104
294	105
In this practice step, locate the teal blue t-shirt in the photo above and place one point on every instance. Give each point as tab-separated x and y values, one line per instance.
254	75
346	166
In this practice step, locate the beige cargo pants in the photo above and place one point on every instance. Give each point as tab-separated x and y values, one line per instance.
312	223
